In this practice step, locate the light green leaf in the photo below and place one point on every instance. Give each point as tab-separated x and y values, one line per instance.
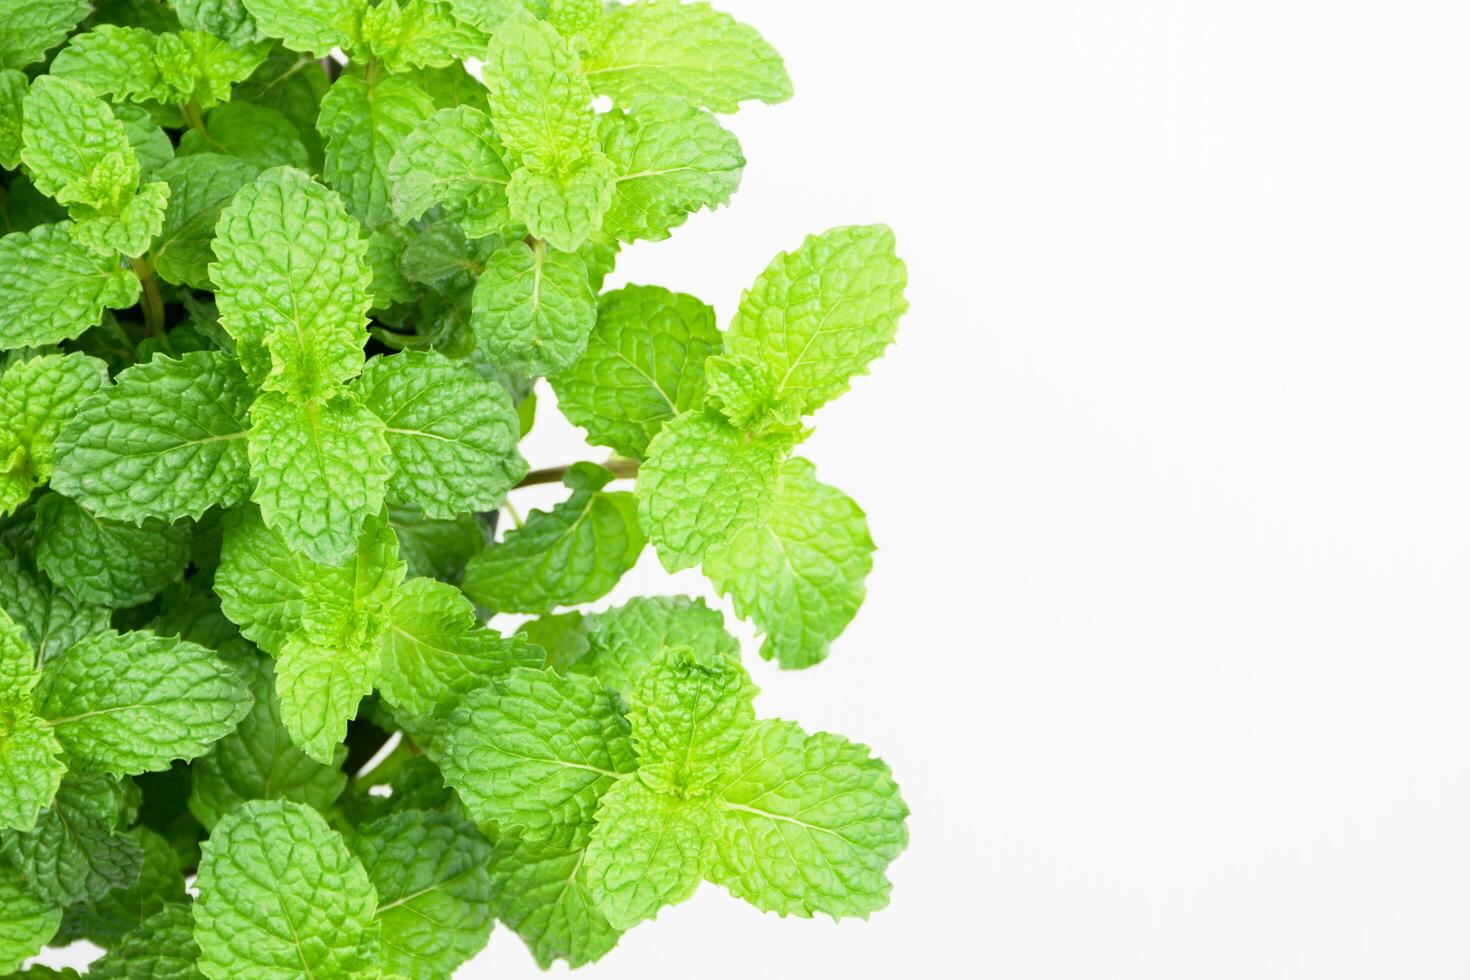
292	280
452	432
643	365
256	134
107	562
799	572
433	887
539	101
53	289
572	554
226	19
807	823
575	18
453	159
436	653
261	583
75	149
364	126
816	317
671	159
315	28
418	34
743	390
434	548
30	28
686	50
535	752
533	309
131	230
38	397
31	766
161	947
200	187
76	853
202	69
702	482
564	207
166	441
624	641
151	144
26	922
258	760
645	853
689	713
52	618
133	702
12	98
280	895
117	62
121	911
562	635
487	14
321	470
541	893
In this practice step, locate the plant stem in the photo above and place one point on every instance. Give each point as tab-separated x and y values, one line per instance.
370	72
192	115
152	301
623	469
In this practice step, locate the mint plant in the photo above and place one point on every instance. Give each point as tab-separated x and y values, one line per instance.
271	323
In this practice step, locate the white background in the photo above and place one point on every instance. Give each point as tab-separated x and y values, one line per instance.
1166	639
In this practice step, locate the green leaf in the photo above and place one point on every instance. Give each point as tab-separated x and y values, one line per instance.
643	365
105	562
52	618
75	149
225	19
452	433
435	653
541	892
562	635
202	69
671	159
261	583
200	187
645	853
314	28
131	230
321	469
743	390
121	911
259	761
685	50
166	441
533	309
53	289
75	853
30	28
12	98
534	752
434	548
256	134
417	34
151	144
117	62
133	702
453	159
703	481
280	895
572	554
564	207
26	922
292	280
807	823
541	104
31	768
161	948
576	19
816	317
799	572
38	397
689	713
364	126
433	887
624	641
487	14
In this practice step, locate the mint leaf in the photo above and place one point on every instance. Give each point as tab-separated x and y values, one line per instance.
131	230
259	135
51	618
541	892
225	19
151	144
122	911
118	62
281	895
808	823
535	752
162	947
418	34
26	922
452	433
261	583
563	636
76	852
572	554
566	208
541	105
433	887
107	562
644	364
166	441
315	28
30	28
200	187
364	126
685	50
689	713
533	309
453	159
37	398
13	86
133	702
816	317
31	766
645	853
799	572
624	641
75	149
52	288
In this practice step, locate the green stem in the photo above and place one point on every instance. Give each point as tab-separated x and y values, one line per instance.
153	319
623	469
192	115
370	72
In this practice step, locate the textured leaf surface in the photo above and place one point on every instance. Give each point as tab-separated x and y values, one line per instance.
75	853
255	134
453	159
541	892
702	482
689	713
13	86
808	823
121	911
686	50
166	441
161	947
623	642
30	28
541	104
535	752
321	470
433	887
31	766
76	150
52	618
799	572
280	895
292	284
53	289
533	309
131	230
26	922
261	583
564	208
816	317
452	433
364	126
38	397
107	562
315	28
199	188
406	34
226	19
645	853
643	365
133	702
